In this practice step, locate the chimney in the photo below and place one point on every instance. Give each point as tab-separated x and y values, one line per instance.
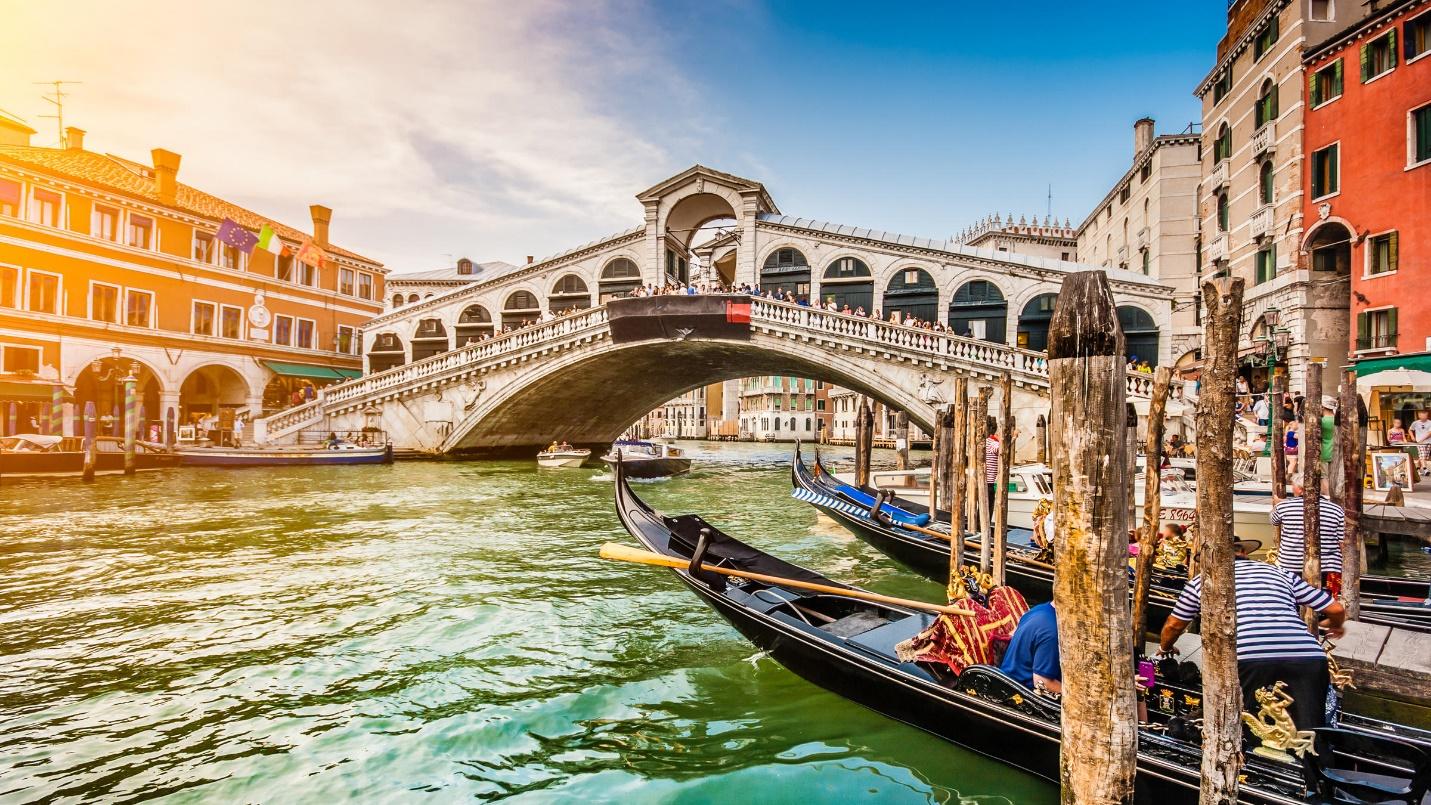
321	216
166	174
530	259
1142	135
74	139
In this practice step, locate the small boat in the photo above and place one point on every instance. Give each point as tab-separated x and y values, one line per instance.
847	646
297	456
564	455
648	459
33	455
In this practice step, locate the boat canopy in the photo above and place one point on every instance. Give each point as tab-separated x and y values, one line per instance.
30	441
311	372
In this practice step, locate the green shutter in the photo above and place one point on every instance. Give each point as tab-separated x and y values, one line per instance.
1333	183
1423	133
1391	330
1337	79
1314	89
1391	250
1363	330
1366	61
1391	46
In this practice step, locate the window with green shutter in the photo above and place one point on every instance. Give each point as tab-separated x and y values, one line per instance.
1222	86
1326	83
1267	264
1383	253
1265	181
1265	40
1421	135
1266	109
1222	212
1378	56
1325	179
1418	36
1222	146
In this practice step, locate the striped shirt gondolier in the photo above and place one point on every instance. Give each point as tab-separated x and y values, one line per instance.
991	460
1267	624
1289	514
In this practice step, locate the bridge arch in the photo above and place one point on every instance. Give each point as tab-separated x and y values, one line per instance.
619	277
474	323
979	307
520	308
1140	333
569	291
1034	317
786	267
386	352
910	290
847	279
429	338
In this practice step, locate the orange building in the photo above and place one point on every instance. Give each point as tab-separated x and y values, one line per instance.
110	266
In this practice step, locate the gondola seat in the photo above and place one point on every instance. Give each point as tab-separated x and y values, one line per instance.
882	640
1346	773
991	684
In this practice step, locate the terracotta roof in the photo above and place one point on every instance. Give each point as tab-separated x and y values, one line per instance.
136	179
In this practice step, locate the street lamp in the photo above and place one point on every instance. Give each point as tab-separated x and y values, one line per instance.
1272	345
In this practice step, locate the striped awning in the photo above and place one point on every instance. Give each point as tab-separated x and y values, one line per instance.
312	372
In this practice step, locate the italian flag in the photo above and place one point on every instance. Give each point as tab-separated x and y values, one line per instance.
268	240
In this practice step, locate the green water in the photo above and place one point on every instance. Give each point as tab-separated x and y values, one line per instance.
425	632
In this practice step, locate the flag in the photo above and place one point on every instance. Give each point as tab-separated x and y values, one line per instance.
233	234
310	254
269	241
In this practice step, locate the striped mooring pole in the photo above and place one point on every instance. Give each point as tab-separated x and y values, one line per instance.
169	432
57	410
13	420
141	426
130	423
91	422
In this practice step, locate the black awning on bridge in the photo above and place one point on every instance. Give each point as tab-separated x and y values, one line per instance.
645	318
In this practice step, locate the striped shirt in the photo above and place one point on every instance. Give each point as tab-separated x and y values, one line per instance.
991	460
1268	627
1293	542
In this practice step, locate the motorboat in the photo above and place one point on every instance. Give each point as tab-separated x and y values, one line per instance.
563	456
333	452
644	459
34	455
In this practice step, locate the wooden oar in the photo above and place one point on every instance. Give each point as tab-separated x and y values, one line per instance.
623	553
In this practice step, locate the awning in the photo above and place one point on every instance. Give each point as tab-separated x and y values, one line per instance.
311	372
1420	362
1398	379
20	391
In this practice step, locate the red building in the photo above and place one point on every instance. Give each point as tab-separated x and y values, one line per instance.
1367	186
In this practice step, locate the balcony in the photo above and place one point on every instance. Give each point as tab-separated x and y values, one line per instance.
1260	224
1217	179
1385	342
1264	140
1217	248
1140	240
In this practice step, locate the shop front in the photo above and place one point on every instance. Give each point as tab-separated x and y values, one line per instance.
295	383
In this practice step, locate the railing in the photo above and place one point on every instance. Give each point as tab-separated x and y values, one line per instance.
282	421
1217	178
1141	238
1375	342
1217	248
1261	221
1264	139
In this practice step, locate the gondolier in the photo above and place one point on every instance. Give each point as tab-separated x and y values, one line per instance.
1292	546
1273	643
991	461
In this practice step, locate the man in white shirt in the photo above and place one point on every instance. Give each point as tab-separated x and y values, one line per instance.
1260	410
1421	435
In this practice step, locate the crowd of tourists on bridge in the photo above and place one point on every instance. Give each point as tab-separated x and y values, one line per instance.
781	295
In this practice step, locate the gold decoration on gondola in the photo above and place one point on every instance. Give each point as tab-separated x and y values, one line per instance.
1341	678
1274	726
1042	536
1172	553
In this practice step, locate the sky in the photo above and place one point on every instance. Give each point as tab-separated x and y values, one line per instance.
438	129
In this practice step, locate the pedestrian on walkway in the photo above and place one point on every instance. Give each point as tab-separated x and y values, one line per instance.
1421	435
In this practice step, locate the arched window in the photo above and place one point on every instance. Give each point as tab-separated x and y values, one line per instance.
786	270
521	308
1222	146
1266	109
1140	334
386	353
1222	212
429	339
569	292
1265	182
618	278
1033	322
980	311
397	300
474	324
411	298
912	292
848	281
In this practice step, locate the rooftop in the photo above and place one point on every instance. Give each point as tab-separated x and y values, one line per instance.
480	272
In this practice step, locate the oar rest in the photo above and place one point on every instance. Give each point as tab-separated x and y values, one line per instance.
1354	767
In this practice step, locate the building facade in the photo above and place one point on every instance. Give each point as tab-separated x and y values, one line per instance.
1148	222
1049	240
411	287
110	267
780	409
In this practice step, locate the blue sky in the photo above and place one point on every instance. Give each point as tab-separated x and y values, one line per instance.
497	130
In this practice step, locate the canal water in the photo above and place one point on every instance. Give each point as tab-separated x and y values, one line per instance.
424	632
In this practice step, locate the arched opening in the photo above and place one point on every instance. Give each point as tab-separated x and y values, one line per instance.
1330	246
618	278
786	270
397	300
912	292
386	353
1223	213
1140	334
848	283
213	391
1033	322
685	225
411	298
1264	182
1266	110
570	292
429	339
102	382
1222	146
979	310
724	268
520	309
474	324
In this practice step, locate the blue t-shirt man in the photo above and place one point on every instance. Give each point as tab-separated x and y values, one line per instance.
1033	651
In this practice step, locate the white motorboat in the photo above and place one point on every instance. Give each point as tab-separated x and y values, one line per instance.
563	456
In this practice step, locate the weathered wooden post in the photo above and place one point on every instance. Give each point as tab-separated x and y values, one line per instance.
1277	437
1312	483
1131	452
91	422
129	422
946	461
170	433
57	410
981	484
1152	503
958	457
935	492
1353	439
1006	459
864	442
1041	436
901	440
1090	589
1222	695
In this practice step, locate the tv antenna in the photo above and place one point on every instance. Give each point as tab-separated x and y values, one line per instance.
1049	210
58	99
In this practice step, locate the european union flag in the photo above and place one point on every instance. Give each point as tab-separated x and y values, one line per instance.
233	234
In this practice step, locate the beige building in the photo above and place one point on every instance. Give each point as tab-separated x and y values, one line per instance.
1250	200
1148	223
1048	240
414	286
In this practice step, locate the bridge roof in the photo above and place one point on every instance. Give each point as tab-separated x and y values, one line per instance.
739	182
480	271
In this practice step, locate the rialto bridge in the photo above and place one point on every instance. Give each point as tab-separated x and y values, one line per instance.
437	380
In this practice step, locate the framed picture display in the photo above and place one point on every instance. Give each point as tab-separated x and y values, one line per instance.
1391	469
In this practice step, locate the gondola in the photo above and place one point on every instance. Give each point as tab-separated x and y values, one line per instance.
847	646
1389	602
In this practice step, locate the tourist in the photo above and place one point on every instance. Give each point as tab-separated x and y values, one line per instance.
1175	445
1421	436
1290	445
238	431
1329	433
1272	642
1397	435
991	462
1032	656
1291	552
1261	411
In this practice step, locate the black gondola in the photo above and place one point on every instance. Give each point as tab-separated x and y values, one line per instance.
1390	602
847	646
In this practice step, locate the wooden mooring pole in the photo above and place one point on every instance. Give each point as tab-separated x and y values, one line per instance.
901	440
1090	590
981	475
936	489
1277	436
1131	453
1006	459
1353	439
1041	436
957	458
1312	485
1152	503
864	442
1222	695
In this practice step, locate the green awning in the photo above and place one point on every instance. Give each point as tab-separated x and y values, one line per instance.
309	371
351	374
19	391
1420	362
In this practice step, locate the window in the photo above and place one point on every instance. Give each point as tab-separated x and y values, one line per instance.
1321	11
308	275
44	207
1265	40
104	223
1222	217
1420	139
1147	171
1266	110
104	302
1382	254
202	319
283	267
1267	264
138	308
21	359
230	257
230	322
1123	194
10	195
1147	261
1378	57
141	232
1376	329
345	281
1326	83
283	330
1265	182
347	340
44	292
1222	86
1325	174
1418	39
1222	146
9	287
304	334
365	286
203	247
